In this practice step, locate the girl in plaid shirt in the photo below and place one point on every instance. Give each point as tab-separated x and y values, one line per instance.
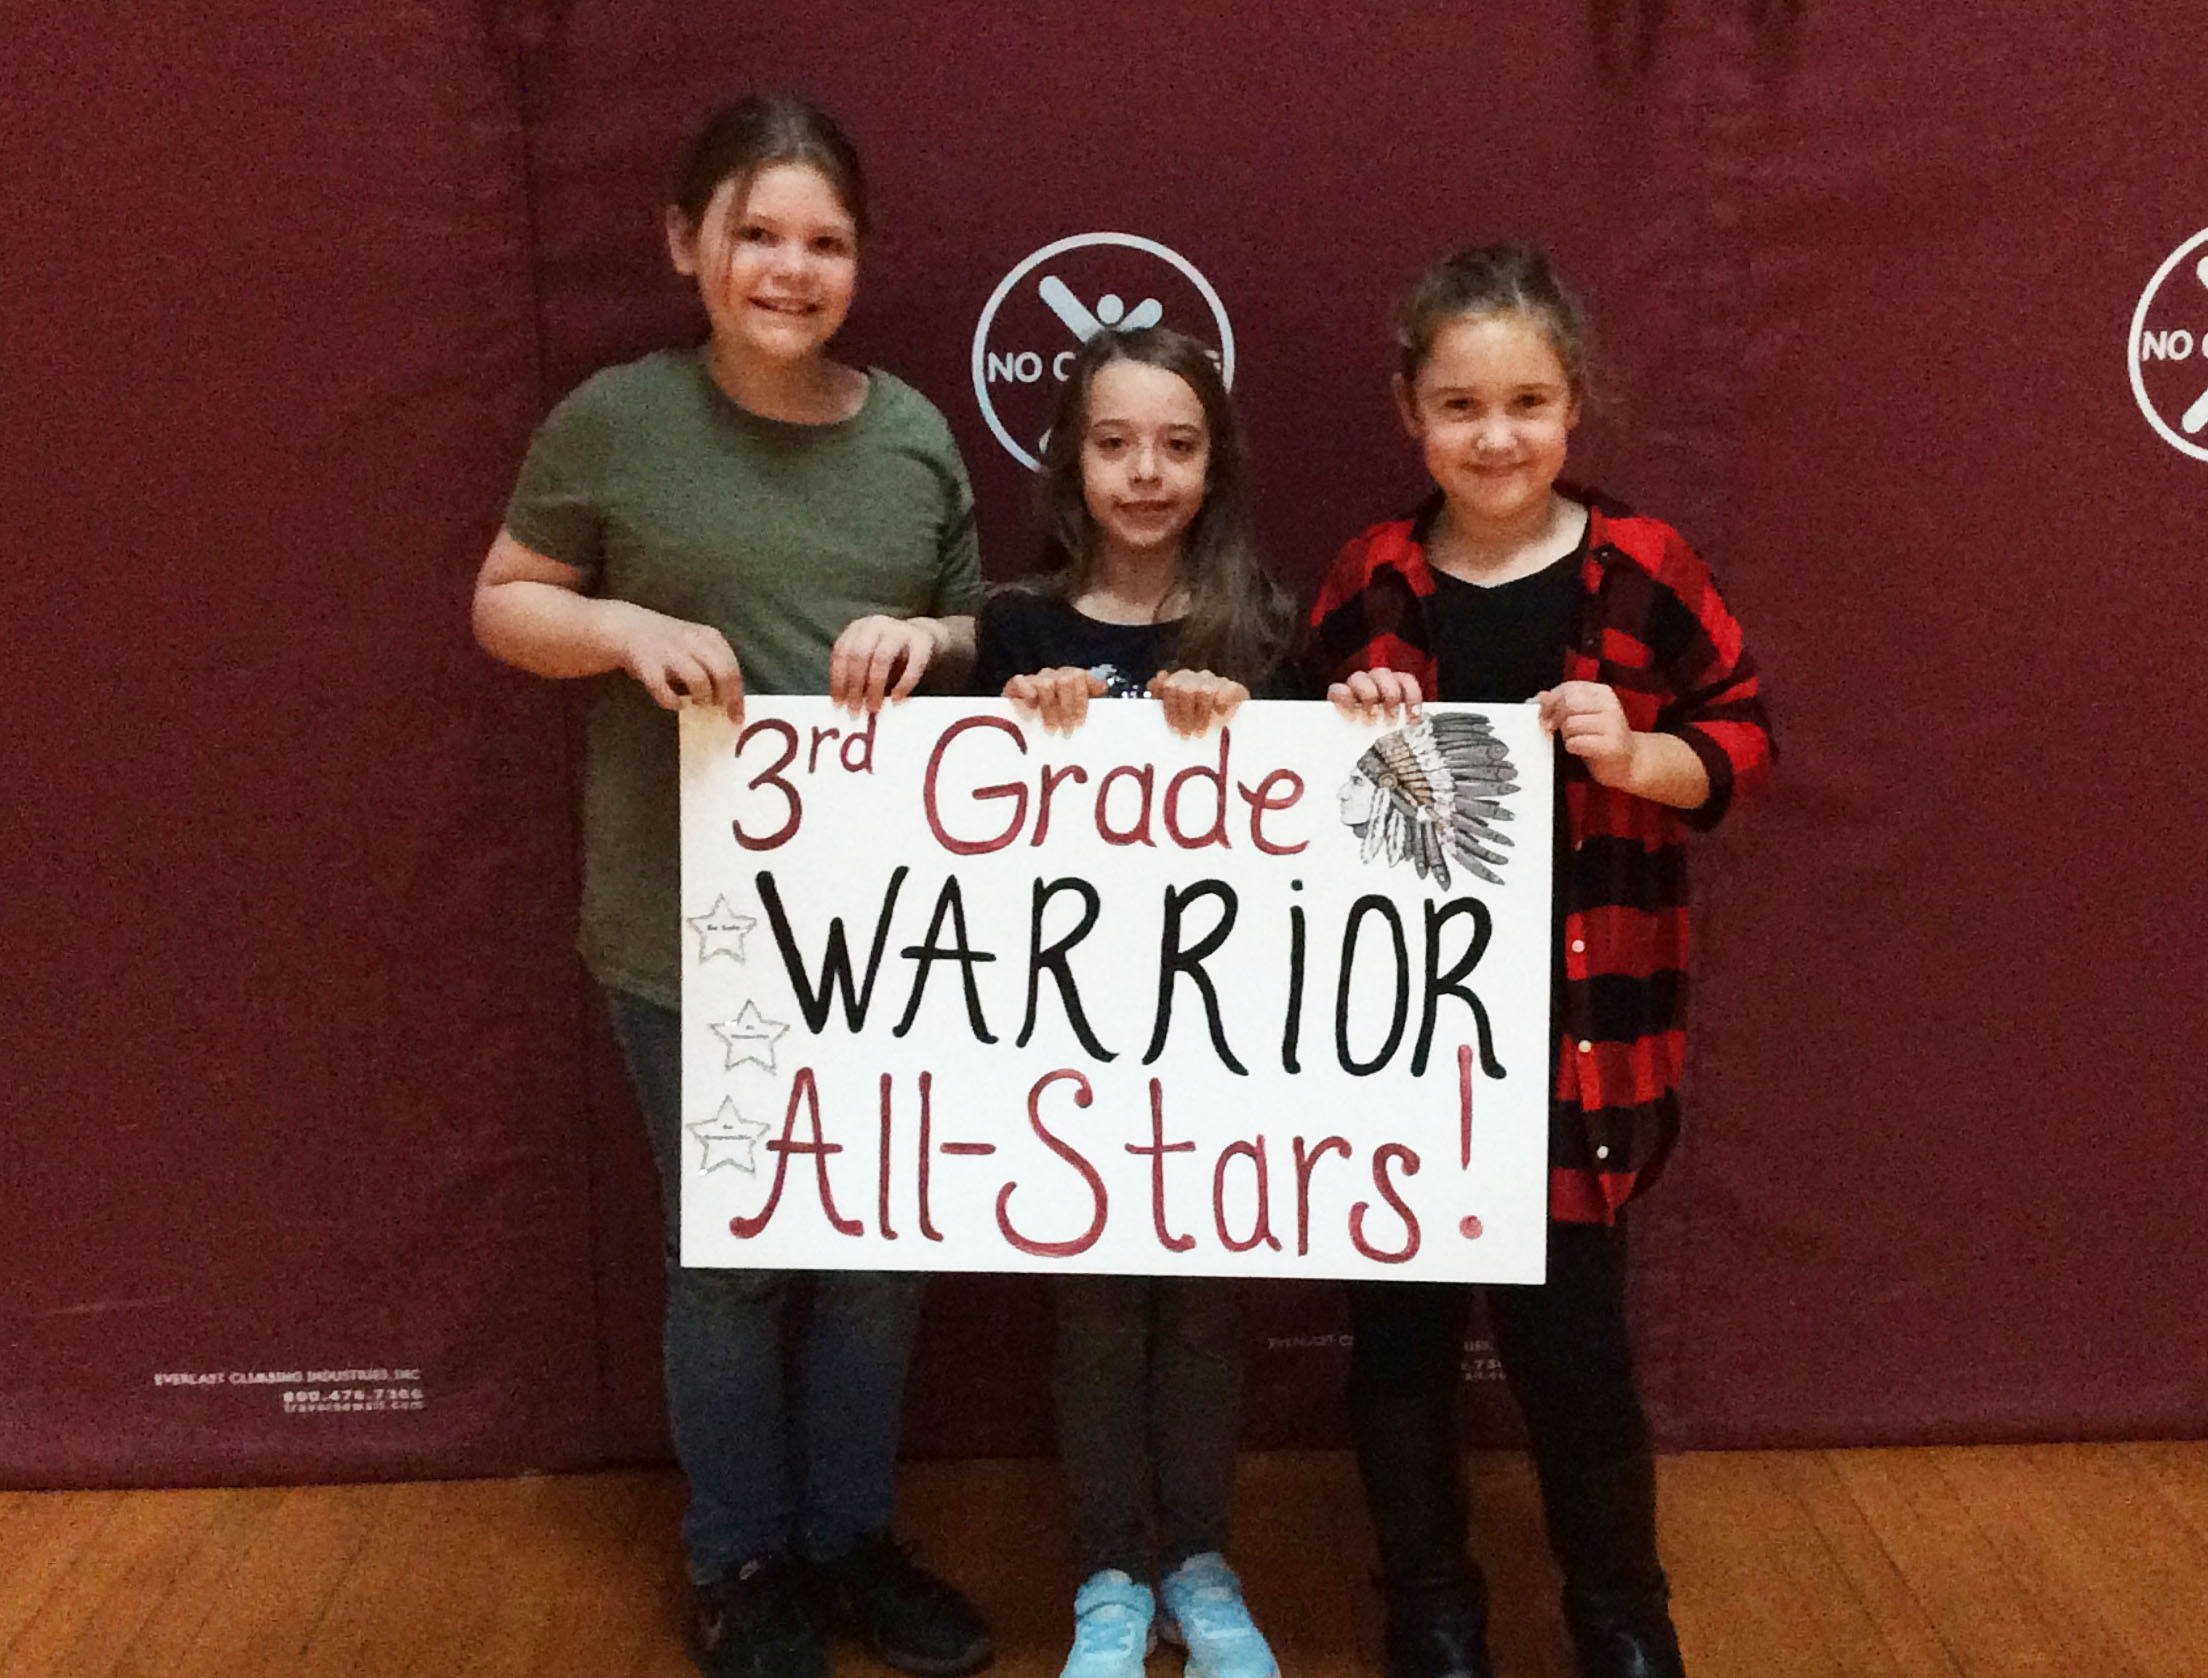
1508	587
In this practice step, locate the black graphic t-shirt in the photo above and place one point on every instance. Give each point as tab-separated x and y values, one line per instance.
1019	633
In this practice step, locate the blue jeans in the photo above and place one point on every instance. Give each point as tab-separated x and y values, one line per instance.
813	1469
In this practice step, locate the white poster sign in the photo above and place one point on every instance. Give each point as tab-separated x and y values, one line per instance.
959	994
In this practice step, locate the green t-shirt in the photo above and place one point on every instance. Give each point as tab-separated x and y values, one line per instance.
662	491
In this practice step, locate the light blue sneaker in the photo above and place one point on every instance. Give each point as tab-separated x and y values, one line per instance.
1204	1601
1111	1627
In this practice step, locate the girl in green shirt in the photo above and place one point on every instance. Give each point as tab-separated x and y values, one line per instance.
748	512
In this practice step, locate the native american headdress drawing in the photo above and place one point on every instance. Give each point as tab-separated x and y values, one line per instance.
1431	792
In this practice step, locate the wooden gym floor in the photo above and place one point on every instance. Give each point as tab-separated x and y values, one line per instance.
2085	1561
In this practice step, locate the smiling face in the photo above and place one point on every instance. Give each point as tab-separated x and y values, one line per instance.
1493	410
776	271
1145	455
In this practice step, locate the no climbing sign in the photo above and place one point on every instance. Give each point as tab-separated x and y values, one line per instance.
2169	348
962	995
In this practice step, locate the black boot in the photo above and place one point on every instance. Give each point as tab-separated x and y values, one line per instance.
1602	1526
1622	1653
1413	1471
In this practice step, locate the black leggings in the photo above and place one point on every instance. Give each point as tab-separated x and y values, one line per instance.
1563	1346
1149	1380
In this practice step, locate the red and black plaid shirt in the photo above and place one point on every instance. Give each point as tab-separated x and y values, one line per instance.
1652	628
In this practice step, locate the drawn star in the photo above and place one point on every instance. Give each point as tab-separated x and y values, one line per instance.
730	1139
721	930
749	1036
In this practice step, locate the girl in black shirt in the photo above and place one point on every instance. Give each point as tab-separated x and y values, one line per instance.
1148	585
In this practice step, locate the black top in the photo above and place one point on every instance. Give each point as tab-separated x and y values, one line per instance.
1019	633
1502	645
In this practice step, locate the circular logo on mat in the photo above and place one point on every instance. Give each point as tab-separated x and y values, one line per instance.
2169	348
1057	298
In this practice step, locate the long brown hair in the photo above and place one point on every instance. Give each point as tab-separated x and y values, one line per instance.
1240	622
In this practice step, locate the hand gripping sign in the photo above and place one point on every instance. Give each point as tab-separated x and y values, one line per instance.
962	995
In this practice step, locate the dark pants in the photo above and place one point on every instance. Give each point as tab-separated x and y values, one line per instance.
1149	1382
1568	1359
780	1452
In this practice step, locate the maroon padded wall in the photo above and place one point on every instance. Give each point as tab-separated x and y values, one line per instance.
299	1074
291	1059
1948	1180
